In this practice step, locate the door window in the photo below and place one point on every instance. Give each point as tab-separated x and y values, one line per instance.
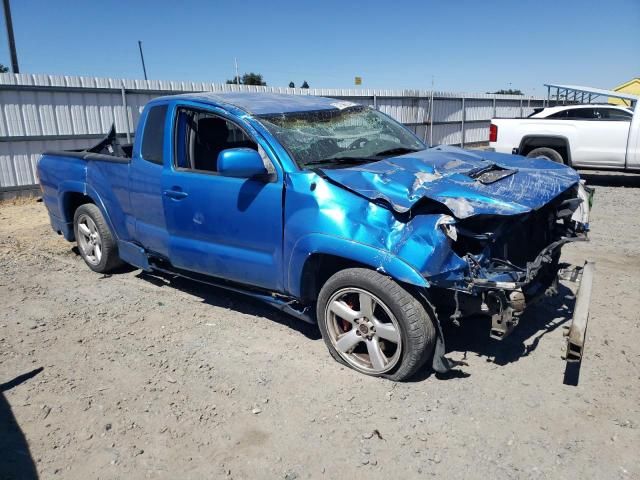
615	114
201	136
590	113
582	114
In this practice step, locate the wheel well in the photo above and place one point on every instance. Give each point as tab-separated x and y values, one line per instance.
71	202
318	268
559	144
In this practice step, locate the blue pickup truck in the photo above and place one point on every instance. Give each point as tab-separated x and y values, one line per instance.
331	211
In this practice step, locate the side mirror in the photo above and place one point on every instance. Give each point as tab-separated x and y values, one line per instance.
241	162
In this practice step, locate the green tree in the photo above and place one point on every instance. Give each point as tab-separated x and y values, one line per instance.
305	85
249	79
253	79
508	92
292	85
3	68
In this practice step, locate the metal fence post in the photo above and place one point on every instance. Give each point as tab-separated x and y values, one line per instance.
417	115
494	107
426	122
126	112
464	117
548	97
431	109
521	108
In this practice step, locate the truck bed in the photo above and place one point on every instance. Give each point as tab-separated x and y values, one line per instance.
109	149
68	178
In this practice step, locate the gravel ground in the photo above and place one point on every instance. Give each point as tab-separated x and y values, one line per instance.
136	376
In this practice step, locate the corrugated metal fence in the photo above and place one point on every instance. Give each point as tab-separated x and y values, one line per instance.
50	112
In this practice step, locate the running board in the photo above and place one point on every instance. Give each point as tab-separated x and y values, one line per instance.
285	304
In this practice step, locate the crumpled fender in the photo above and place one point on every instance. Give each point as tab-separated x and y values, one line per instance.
376	258
422	243
324	218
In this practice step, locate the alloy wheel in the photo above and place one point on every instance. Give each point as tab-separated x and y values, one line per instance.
363	330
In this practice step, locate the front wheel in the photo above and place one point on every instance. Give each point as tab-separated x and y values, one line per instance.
372	324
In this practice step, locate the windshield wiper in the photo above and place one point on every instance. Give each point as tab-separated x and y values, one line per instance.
324	161
397	151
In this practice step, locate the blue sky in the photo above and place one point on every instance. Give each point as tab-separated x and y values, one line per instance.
473	46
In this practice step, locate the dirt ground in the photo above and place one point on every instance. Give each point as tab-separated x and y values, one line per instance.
135	376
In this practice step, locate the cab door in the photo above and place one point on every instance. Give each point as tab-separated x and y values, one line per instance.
602	141
226	227
147	221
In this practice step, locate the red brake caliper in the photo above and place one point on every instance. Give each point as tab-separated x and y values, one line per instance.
346	326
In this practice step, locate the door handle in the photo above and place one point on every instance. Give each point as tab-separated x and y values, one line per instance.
175	194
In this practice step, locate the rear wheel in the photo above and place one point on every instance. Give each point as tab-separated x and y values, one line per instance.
372	324
546	152
95	241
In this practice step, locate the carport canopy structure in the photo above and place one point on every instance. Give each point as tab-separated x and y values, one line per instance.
578	94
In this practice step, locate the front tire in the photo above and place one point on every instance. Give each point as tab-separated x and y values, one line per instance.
546	152
372	324
95	241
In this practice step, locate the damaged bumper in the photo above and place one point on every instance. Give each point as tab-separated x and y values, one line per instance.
515	256
516	263
577	330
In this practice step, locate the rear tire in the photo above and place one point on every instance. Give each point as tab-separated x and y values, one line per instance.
546	152
97	246
392	338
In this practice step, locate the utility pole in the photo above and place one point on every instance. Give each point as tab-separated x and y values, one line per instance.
144	69
12	41
235	61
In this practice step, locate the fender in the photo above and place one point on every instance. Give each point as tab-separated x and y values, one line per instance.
74	186
375	258
524	139
64	224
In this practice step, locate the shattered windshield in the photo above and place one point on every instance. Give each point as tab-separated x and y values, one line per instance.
335	138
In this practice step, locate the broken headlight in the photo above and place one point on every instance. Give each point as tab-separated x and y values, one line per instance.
581	214
447	224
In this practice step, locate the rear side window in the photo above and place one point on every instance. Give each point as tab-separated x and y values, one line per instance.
560	114
576	114
153	135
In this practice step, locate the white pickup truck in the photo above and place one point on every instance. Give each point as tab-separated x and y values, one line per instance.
582	136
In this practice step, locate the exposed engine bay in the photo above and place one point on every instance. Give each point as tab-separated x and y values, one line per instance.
511	260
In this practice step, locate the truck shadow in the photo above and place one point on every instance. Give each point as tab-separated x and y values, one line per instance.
16	460
219	297
610	179
472	336
539	319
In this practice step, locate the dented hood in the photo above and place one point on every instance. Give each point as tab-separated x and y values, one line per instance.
469	183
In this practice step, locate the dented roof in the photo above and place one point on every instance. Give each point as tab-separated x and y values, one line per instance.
269	103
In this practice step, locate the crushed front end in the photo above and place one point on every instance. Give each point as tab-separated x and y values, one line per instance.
509	261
